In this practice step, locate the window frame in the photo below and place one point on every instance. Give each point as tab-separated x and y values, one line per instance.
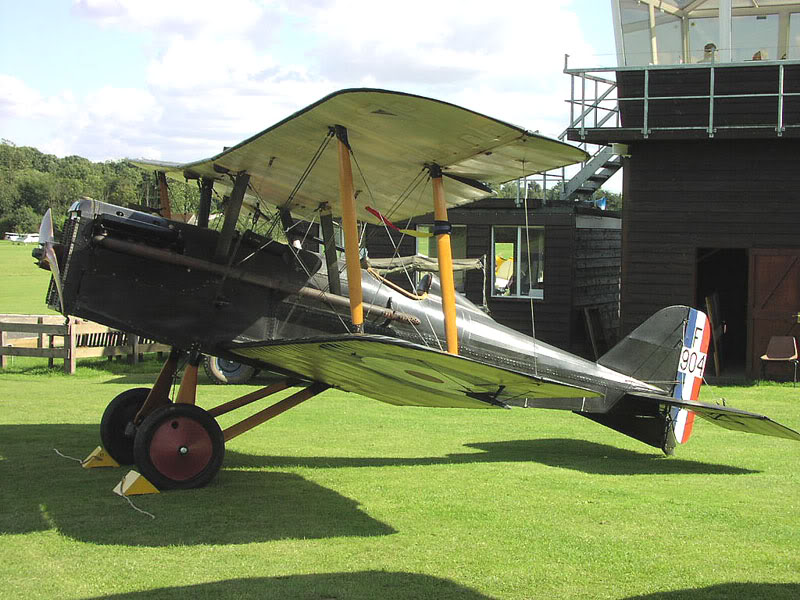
536	293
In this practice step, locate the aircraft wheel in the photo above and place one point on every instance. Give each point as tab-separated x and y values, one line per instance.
118	414
179	446
223	371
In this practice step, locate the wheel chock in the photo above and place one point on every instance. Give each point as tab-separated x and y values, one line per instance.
133	484
98	458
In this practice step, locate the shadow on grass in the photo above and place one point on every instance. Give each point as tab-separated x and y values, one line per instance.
362	585
42	491
725	591
579	455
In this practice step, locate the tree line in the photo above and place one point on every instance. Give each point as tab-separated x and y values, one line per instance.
32	181
553	193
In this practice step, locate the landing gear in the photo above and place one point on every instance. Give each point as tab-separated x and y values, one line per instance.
116	426
179	446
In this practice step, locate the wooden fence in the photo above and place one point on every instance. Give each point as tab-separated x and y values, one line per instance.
68	339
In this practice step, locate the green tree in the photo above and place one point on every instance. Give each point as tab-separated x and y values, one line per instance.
22	219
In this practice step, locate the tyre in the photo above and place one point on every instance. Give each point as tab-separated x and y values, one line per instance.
118	415
223	371
179	446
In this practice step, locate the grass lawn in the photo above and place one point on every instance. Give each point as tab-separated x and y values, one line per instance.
24	285
347	498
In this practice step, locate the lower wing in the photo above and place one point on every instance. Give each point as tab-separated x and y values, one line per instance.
403	373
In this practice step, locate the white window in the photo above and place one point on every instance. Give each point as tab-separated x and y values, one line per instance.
458	245
518	262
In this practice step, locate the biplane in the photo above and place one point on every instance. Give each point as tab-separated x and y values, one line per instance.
322	321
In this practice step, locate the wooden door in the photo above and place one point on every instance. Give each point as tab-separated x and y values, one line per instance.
774	301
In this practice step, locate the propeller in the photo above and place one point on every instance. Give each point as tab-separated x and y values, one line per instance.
47	240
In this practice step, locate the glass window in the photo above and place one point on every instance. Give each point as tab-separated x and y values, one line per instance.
458	246
518	262
669	40
755	37
794	36
636	34
701	33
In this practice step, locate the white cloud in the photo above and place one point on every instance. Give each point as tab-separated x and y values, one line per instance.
184	17
220	72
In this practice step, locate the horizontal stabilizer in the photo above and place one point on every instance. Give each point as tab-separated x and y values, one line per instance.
727	417
403	373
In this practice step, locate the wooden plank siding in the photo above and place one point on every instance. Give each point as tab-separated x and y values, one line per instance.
688	112
569	258
684	195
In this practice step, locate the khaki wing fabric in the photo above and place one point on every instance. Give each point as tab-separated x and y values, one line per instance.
403	373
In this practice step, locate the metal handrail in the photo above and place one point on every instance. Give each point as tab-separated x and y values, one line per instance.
595	104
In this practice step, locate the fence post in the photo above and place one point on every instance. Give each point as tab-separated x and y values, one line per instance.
69	342
134	342
3	358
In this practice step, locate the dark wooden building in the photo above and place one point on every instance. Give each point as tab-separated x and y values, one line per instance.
711	201
574	253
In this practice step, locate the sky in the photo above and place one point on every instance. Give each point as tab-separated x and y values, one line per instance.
177	80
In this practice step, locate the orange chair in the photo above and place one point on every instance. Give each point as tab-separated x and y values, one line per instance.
781	348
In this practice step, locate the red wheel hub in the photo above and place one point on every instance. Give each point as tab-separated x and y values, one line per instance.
181	448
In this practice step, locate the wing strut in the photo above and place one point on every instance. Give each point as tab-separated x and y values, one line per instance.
442	228
163	195
348	200
329	240
232	211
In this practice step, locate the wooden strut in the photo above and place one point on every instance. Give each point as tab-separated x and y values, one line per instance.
204	212
163	195
329	241
445	254
274	410
232	211
187	392
274	388
348	200
159	394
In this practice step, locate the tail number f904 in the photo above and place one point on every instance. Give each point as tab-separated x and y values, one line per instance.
692	362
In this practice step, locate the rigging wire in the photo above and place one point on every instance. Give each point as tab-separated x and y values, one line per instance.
309	167
396	247
530	274
301	180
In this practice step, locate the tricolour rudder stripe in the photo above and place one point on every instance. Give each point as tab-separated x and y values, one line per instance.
691	365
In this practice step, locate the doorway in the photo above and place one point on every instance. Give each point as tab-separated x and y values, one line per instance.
722	275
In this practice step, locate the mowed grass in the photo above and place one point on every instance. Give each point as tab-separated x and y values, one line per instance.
23	286
347	498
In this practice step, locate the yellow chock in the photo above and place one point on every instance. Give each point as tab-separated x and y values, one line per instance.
133	484
98	458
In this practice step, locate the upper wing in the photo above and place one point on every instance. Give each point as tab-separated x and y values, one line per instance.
392	135
403	373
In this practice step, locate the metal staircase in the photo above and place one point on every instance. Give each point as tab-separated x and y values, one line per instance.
594	173
594	109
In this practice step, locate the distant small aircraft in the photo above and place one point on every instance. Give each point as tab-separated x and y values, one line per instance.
324	322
